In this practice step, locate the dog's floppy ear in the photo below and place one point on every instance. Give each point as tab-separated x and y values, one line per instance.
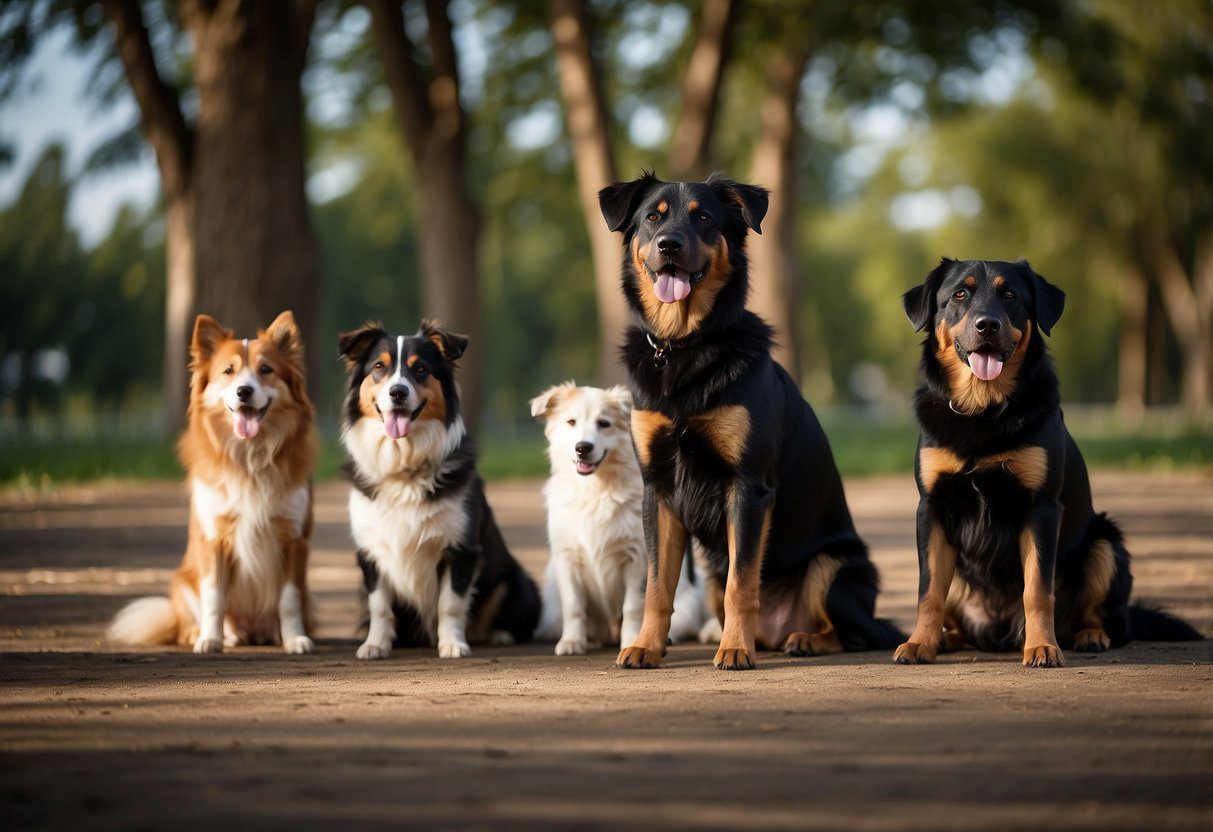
919	302
618	202
1048	301
208	334
285	334
547	401
352	345
752	200
450	344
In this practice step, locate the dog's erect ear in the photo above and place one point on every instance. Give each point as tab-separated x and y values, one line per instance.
619	202
919	302
621	397
547	401
449	344
352	345
285	334
752	200
208	334
1048	301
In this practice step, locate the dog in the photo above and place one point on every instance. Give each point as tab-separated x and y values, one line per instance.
594	587
249	450
1011	552
730	454
434	563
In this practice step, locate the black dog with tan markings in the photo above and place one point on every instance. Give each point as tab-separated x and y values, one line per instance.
1011	553
729	451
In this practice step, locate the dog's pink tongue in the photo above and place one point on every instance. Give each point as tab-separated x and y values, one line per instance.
396	425
986	366
247	425
672	288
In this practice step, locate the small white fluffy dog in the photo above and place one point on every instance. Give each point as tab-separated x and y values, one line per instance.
594	588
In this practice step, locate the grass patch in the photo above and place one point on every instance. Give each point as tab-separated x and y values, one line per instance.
862	446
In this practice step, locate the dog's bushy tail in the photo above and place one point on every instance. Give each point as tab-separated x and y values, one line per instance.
1148	623
145	621
851	602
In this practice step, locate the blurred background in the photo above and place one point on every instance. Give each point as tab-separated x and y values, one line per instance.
384	160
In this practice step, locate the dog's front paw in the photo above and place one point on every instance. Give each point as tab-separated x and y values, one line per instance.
914	653
453	650
298	645
208	645
1093	640
734	658
374	651
637	656
571	647
1045	655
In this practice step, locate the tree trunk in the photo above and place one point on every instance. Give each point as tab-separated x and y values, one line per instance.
690	157
589	135
773	262
178	305
1189	306
435	134
255	251
1131	372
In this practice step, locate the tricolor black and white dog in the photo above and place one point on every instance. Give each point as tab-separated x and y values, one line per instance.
434	563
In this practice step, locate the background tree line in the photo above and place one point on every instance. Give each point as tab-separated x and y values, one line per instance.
467	141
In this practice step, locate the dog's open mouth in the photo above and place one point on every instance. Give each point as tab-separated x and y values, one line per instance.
985	363
673	284
246	421
397	422
585	467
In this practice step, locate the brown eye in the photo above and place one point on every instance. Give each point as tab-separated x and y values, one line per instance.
960	295
572	422
654	217
228	370
420	371
265	369
378	365
1009	295
702	216
604	424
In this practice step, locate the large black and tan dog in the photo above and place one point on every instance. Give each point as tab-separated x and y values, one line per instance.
730	452
1005	504
433	560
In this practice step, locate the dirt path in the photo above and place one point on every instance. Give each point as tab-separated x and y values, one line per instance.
517	738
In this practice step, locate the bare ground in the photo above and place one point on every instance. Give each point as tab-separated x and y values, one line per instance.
516	738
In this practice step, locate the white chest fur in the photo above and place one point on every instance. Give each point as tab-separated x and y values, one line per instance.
243	511
405	535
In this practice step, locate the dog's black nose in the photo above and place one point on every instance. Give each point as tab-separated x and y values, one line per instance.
988	326
244	392
398	392
583	449
669	243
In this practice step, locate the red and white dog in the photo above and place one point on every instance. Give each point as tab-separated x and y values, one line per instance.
249	451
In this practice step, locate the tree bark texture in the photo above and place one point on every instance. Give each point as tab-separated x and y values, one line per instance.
238	238
255	250
594	162
434	125
774	277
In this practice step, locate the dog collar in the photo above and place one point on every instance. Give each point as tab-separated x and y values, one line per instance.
661	349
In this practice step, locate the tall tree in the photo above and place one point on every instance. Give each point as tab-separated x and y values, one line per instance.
434	124
774	287
690	144
589	125
238	239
